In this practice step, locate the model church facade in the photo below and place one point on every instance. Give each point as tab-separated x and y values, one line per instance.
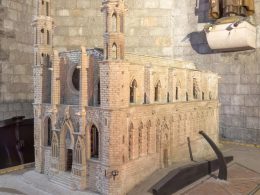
106	119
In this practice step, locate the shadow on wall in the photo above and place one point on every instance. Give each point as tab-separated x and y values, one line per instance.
199	42
202	10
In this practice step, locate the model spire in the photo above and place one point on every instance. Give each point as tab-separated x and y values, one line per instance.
114	38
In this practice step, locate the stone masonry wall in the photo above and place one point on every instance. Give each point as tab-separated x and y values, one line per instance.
239	87
16	58
148	25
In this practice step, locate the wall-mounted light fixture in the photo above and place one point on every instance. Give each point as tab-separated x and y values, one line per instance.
115	173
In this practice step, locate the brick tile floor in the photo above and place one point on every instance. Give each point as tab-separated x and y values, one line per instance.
241	181
243	176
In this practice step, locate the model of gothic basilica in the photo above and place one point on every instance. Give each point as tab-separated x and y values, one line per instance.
106	119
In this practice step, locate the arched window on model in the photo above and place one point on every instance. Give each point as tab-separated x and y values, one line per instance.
106	23
114	51
107	52
168	97
177	90
42	8
78	153
43	59
42	36
157	91
203	95
49	132
47	61
36	36
133	87
145	98
177	93
195	89
94	137
130	141
47	8
48	37
114	22
210	95
187	96
98	94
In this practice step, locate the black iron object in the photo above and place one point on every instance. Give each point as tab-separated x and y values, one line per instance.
221	160
16	142
184	176
190	150
115	173
179	178
19	143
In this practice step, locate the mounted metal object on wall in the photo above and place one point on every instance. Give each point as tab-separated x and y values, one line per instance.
221	160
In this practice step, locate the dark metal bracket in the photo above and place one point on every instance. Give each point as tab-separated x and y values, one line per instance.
221	160
184	176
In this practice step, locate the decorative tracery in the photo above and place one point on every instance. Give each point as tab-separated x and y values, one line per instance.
195	89
78	153
114	51
55	146
148	127
140	138
114	22
130	141
133	87
158	136
157	91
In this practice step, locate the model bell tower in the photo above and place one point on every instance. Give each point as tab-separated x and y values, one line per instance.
114	38
114	88
114	69
43	30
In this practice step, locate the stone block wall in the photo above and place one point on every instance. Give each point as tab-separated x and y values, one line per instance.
239	87
77	23
148	25
16	58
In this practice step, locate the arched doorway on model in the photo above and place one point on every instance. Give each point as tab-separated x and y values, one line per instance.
67	146
94	139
